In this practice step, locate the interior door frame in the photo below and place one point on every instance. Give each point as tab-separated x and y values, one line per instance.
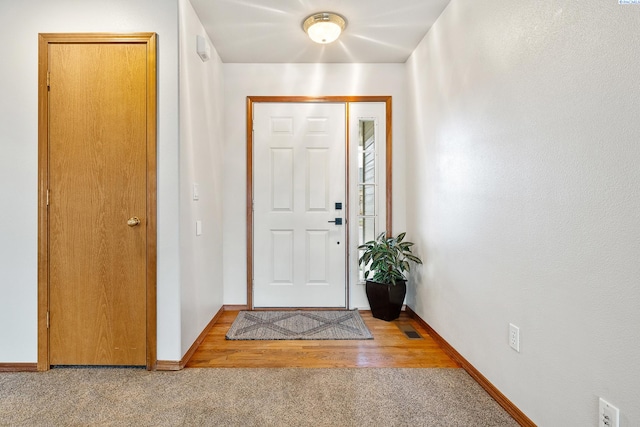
44	40
251	100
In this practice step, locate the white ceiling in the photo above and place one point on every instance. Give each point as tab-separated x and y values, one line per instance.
270	31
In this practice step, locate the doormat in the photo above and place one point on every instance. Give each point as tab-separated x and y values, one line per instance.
299	325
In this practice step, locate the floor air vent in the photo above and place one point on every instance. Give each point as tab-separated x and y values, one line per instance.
409	331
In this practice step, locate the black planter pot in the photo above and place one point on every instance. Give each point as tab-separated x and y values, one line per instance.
386	300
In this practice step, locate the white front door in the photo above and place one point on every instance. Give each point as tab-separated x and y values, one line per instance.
299	187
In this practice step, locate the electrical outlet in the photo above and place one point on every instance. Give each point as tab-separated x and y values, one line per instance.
609	415
514	337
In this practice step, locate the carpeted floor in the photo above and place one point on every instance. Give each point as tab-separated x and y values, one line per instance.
247	397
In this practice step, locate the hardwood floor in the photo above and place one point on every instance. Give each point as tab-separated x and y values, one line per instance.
390	348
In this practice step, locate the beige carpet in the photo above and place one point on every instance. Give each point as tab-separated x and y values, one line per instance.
247	397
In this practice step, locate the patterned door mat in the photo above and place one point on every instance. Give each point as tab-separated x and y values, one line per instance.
299	325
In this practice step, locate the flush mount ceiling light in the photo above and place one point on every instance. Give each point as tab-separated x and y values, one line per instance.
324	27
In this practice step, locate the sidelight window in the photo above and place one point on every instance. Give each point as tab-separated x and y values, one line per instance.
367	184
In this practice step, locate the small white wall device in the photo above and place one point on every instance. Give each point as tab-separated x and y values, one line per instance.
203	48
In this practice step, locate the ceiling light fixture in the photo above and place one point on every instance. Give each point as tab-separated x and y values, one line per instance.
324	27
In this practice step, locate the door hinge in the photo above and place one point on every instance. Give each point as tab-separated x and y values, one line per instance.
47	320
47	197
48	79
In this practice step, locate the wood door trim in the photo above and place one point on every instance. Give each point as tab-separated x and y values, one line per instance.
44	39
249	161
152	191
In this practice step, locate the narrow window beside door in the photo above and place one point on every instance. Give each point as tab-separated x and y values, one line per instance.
367	212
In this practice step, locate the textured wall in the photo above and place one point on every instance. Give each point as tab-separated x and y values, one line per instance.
242	80
21	22
523	146
201	161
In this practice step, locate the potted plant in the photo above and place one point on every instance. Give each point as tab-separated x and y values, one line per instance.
387	259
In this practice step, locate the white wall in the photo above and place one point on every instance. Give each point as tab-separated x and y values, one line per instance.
242	80
523	146
20	23
201	162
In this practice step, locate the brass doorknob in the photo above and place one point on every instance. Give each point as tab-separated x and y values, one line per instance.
133	221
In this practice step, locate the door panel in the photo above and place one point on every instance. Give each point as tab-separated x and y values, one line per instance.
97	180
299	175
317	191
282	179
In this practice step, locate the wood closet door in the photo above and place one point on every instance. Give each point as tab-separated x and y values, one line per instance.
97	182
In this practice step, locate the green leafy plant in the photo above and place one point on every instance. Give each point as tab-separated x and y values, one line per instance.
387	258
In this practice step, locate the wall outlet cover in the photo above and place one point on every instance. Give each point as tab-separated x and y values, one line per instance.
514	337
608	415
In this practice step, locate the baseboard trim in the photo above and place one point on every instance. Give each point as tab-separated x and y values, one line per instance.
18	367
236	307
497	395
169	365
174	365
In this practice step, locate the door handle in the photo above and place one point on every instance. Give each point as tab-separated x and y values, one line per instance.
337	221
133	221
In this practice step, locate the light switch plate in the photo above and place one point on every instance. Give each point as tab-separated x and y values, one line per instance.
196	192
198	227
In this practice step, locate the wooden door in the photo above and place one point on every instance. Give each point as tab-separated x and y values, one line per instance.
300	177
98	138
